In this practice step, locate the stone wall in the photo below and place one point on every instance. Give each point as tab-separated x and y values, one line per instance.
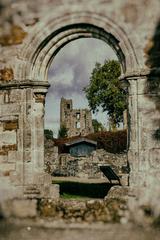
21	146
85	167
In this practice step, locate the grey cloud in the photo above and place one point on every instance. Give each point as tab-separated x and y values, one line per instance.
70	72
81	62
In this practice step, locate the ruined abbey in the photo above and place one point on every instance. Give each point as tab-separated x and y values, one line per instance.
77	121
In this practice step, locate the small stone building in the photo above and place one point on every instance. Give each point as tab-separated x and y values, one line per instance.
81	147
77	121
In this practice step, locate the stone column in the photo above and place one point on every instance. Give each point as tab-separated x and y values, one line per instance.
37	183
33	135
143	149
35	178
22	146
133	130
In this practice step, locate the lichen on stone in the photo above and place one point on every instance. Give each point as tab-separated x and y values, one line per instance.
14	37
6	74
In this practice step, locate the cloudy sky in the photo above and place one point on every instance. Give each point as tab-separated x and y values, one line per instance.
69	73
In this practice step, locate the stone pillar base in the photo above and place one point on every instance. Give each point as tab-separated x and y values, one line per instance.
42	188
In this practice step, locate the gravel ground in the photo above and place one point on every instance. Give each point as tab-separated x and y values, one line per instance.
48	230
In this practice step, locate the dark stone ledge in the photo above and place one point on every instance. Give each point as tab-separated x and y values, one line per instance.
24	84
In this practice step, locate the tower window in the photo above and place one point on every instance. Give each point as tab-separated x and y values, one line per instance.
68	106
78	125
78	115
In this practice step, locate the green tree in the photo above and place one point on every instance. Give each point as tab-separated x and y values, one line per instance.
48	133
105	90
62	133
98	126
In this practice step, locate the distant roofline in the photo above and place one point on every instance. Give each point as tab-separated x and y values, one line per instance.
79	140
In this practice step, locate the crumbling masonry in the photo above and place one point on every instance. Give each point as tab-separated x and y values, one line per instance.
32	32
77	121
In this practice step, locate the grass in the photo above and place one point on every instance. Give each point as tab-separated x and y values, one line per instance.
69	189
74	197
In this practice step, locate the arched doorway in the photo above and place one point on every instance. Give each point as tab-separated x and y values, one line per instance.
38	51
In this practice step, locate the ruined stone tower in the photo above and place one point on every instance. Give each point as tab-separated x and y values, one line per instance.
77	121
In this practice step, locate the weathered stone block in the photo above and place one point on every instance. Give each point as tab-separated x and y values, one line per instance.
10	108
3	158
6	148
9	191
20	208
154	155
11	125
51	191
3	152
42	178
38	159
7	167
13	156
8	138
16	177
15	95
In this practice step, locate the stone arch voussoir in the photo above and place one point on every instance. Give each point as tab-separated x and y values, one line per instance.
53	33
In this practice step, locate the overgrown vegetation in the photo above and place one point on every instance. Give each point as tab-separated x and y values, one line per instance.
113	142
48	133
62	133
97	126
105	91
73	196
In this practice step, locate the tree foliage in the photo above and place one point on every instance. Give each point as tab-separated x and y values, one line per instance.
98	126
62	133
48	133
104	90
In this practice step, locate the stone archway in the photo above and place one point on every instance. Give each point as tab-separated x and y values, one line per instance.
41	47
25	94
85	26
